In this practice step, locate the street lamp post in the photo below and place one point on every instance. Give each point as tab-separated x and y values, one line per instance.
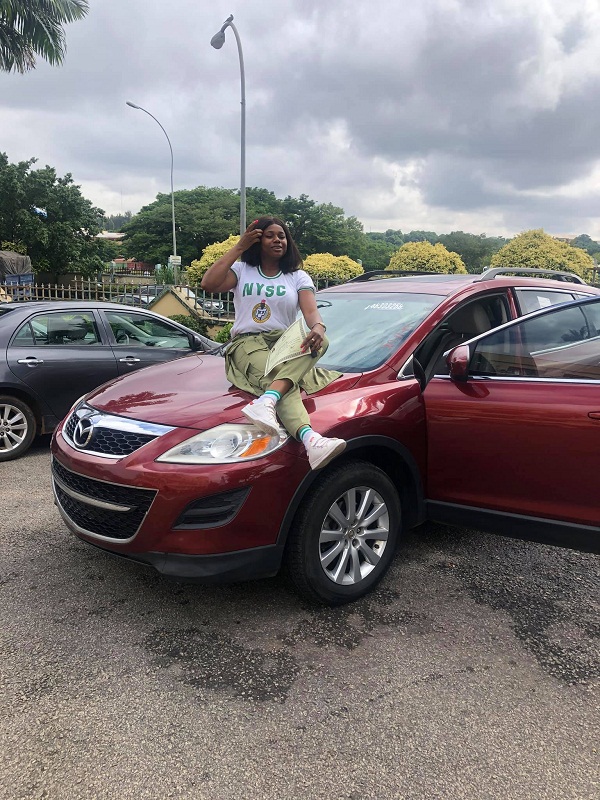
217	41
175	265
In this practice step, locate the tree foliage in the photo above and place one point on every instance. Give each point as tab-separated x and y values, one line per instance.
325	267
48	217
202	216
206	215
426	257
318	228
475	250
586	243
212	252
30	28
114	222
537	249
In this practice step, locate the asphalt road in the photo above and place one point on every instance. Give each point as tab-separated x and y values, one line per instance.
472	672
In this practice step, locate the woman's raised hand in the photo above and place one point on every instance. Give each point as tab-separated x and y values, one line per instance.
250	236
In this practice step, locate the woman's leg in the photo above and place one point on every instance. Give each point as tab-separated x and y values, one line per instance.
282	399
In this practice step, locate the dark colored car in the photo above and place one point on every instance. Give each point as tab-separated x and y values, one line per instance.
161	467
53	352
143	297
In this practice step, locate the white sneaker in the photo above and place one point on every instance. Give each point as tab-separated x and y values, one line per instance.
263	416
323	450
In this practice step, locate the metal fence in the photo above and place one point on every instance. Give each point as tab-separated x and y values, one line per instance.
218	307
206	305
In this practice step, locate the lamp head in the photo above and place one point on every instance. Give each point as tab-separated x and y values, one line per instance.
133	105
218	40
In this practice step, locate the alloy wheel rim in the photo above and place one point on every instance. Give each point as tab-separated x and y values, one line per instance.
354	535
13	427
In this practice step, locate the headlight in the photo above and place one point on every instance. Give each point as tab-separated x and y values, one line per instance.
225	444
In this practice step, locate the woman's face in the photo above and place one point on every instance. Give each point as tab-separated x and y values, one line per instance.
273	242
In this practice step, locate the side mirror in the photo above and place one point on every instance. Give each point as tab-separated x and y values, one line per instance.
197	344
458	362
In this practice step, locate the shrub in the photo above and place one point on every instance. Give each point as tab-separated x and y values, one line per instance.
333	269
193	322
223	334
426	257
210	254
538	250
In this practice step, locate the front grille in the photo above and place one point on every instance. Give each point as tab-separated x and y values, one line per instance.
81	499
109	441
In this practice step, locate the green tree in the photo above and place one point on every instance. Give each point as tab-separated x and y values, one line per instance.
48	217
426	257
202	216
318	228
113	222
30	28
376	253
586	243
475	250
536	249
421	236
207	215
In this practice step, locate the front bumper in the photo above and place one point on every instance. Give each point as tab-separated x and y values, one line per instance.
139	509
242	565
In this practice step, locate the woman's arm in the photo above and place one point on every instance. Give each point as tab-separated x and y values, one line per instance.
308	306
220	277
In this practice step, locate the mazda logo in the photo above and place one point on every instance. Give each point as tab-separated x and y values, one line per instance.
83	433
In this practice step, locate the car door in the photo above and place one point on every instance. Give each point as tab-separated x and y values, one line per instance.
513	447
140	339
61	355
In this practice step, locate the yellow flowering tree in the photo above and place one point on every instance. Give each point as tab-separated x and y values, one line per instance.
426	257
334	269
210	254
536	249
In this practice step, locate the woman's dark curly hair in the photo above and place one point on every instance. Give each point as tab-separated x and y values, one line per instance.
291	259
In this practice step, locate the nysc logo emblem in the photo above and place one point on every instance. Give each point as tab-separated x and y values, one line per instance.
261	312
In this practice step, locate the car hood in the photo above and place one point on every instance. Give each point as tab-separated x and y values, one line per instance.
190	392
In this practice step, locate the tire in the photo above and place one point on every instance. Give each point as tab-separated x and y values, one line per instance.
330	557
17	427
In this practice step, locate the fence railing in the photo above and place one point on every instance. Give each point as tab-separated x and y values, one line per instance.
214	306
218	307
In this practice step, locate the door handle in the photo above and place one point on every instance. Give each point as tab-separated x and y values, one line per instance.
31	361
594	415
129	360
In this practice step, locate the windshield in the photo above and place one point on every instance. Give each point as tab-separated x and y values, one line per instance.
365	329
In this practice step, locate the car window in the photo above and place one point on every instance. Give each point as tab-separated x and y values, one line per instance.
463	322
532	299
365	329
58	328
130	328
564	344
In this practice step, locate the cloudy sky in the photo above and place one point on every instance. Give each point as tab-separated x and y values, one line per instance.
474	115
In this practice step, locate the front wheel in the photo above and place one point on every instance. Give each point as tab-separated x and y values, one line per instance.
17	427
343	539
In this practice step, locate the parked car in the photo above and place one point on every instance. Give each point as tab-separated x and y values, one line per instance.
53	352
162	468
212	306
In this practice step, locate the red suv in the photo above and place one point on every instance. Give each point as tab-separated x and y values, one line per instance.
502	434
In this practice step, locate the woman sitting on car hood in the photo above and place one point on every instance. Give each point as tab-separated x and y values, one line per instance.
263	270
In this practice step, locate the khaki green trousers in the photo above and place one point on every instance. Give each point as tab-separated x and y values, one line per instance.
246	359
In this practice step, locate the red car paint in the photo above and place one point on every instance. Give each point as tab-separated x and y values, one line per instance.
453	448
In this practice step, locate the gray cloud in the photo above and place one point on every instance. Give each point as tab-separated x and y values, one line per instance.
466	114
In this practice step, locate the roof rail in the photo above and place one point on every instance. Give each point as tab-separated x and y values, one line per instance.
569	277
387	273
